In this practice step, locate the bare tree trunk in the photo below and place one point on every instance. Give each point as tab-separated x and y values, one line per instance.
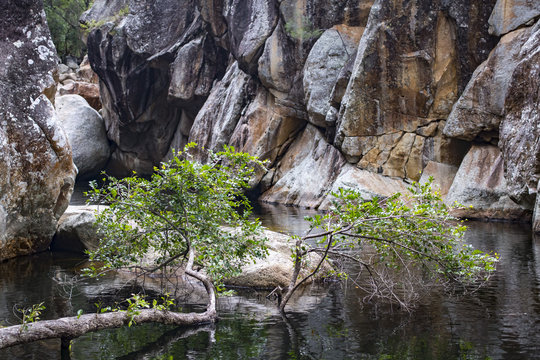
71	327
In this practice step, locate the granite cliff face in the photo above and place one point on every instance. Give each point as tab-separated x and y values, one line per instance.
358	93
36	170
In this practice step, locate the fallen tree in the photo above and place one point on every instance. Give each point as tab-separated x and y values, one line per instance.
69	328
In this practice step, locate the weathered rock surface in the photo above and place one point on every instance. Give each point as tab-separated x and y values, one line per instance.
480	184
86	133
520	129
89	91
36	171
306	173
134	53
216	121
314	85
480	109
326	60
276	268
367	183
76	230
443	176
508	15
413	60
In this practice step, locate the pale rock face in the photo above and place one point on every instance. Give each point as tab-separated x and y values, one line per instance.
36	171
326	60
306	172
215	123
76	231
368	184
480	109
86	133
520	129
480	183
276	268
508	15
443	176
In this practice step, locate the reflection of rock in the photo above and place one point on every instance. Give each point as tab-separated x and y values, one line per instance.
86	134
36	168
480	183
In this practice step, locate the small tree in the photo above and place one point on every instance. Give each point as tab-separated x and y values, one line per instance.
175	219
186	210
395	246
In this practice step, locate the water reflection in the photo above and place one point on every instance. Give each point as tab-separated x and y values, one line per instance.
500	321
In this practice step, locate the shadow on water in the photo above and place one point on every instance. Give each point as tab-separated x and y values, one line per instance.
500	321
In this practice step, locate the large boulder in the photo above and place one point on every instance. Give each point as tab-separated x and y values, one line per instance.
520	129
77	231
36	171
325	61
85	130
277	267
508	15
412	62
306	173
480	109
481	188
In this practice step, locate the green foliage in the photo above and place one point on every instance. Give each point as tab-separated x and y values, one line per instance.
303	31
93	24
400	243
63	19
184	205
30	315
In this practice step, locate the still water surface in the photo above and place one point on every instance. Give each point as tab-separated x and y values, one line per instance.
501	321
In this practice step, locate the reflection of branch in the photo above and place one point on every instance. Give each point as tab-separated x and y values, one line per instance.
163	343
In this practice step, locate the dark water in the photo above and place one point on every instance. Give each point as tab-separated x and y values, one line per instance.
501	321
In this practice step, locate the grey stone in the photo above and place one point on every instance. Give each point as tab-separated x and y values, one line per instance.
520	128
77	231
86	133
36	170
480	186
508	15
324	63
306	172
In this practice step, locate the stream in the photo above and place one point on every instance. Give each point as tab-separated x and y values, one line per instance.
330	321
